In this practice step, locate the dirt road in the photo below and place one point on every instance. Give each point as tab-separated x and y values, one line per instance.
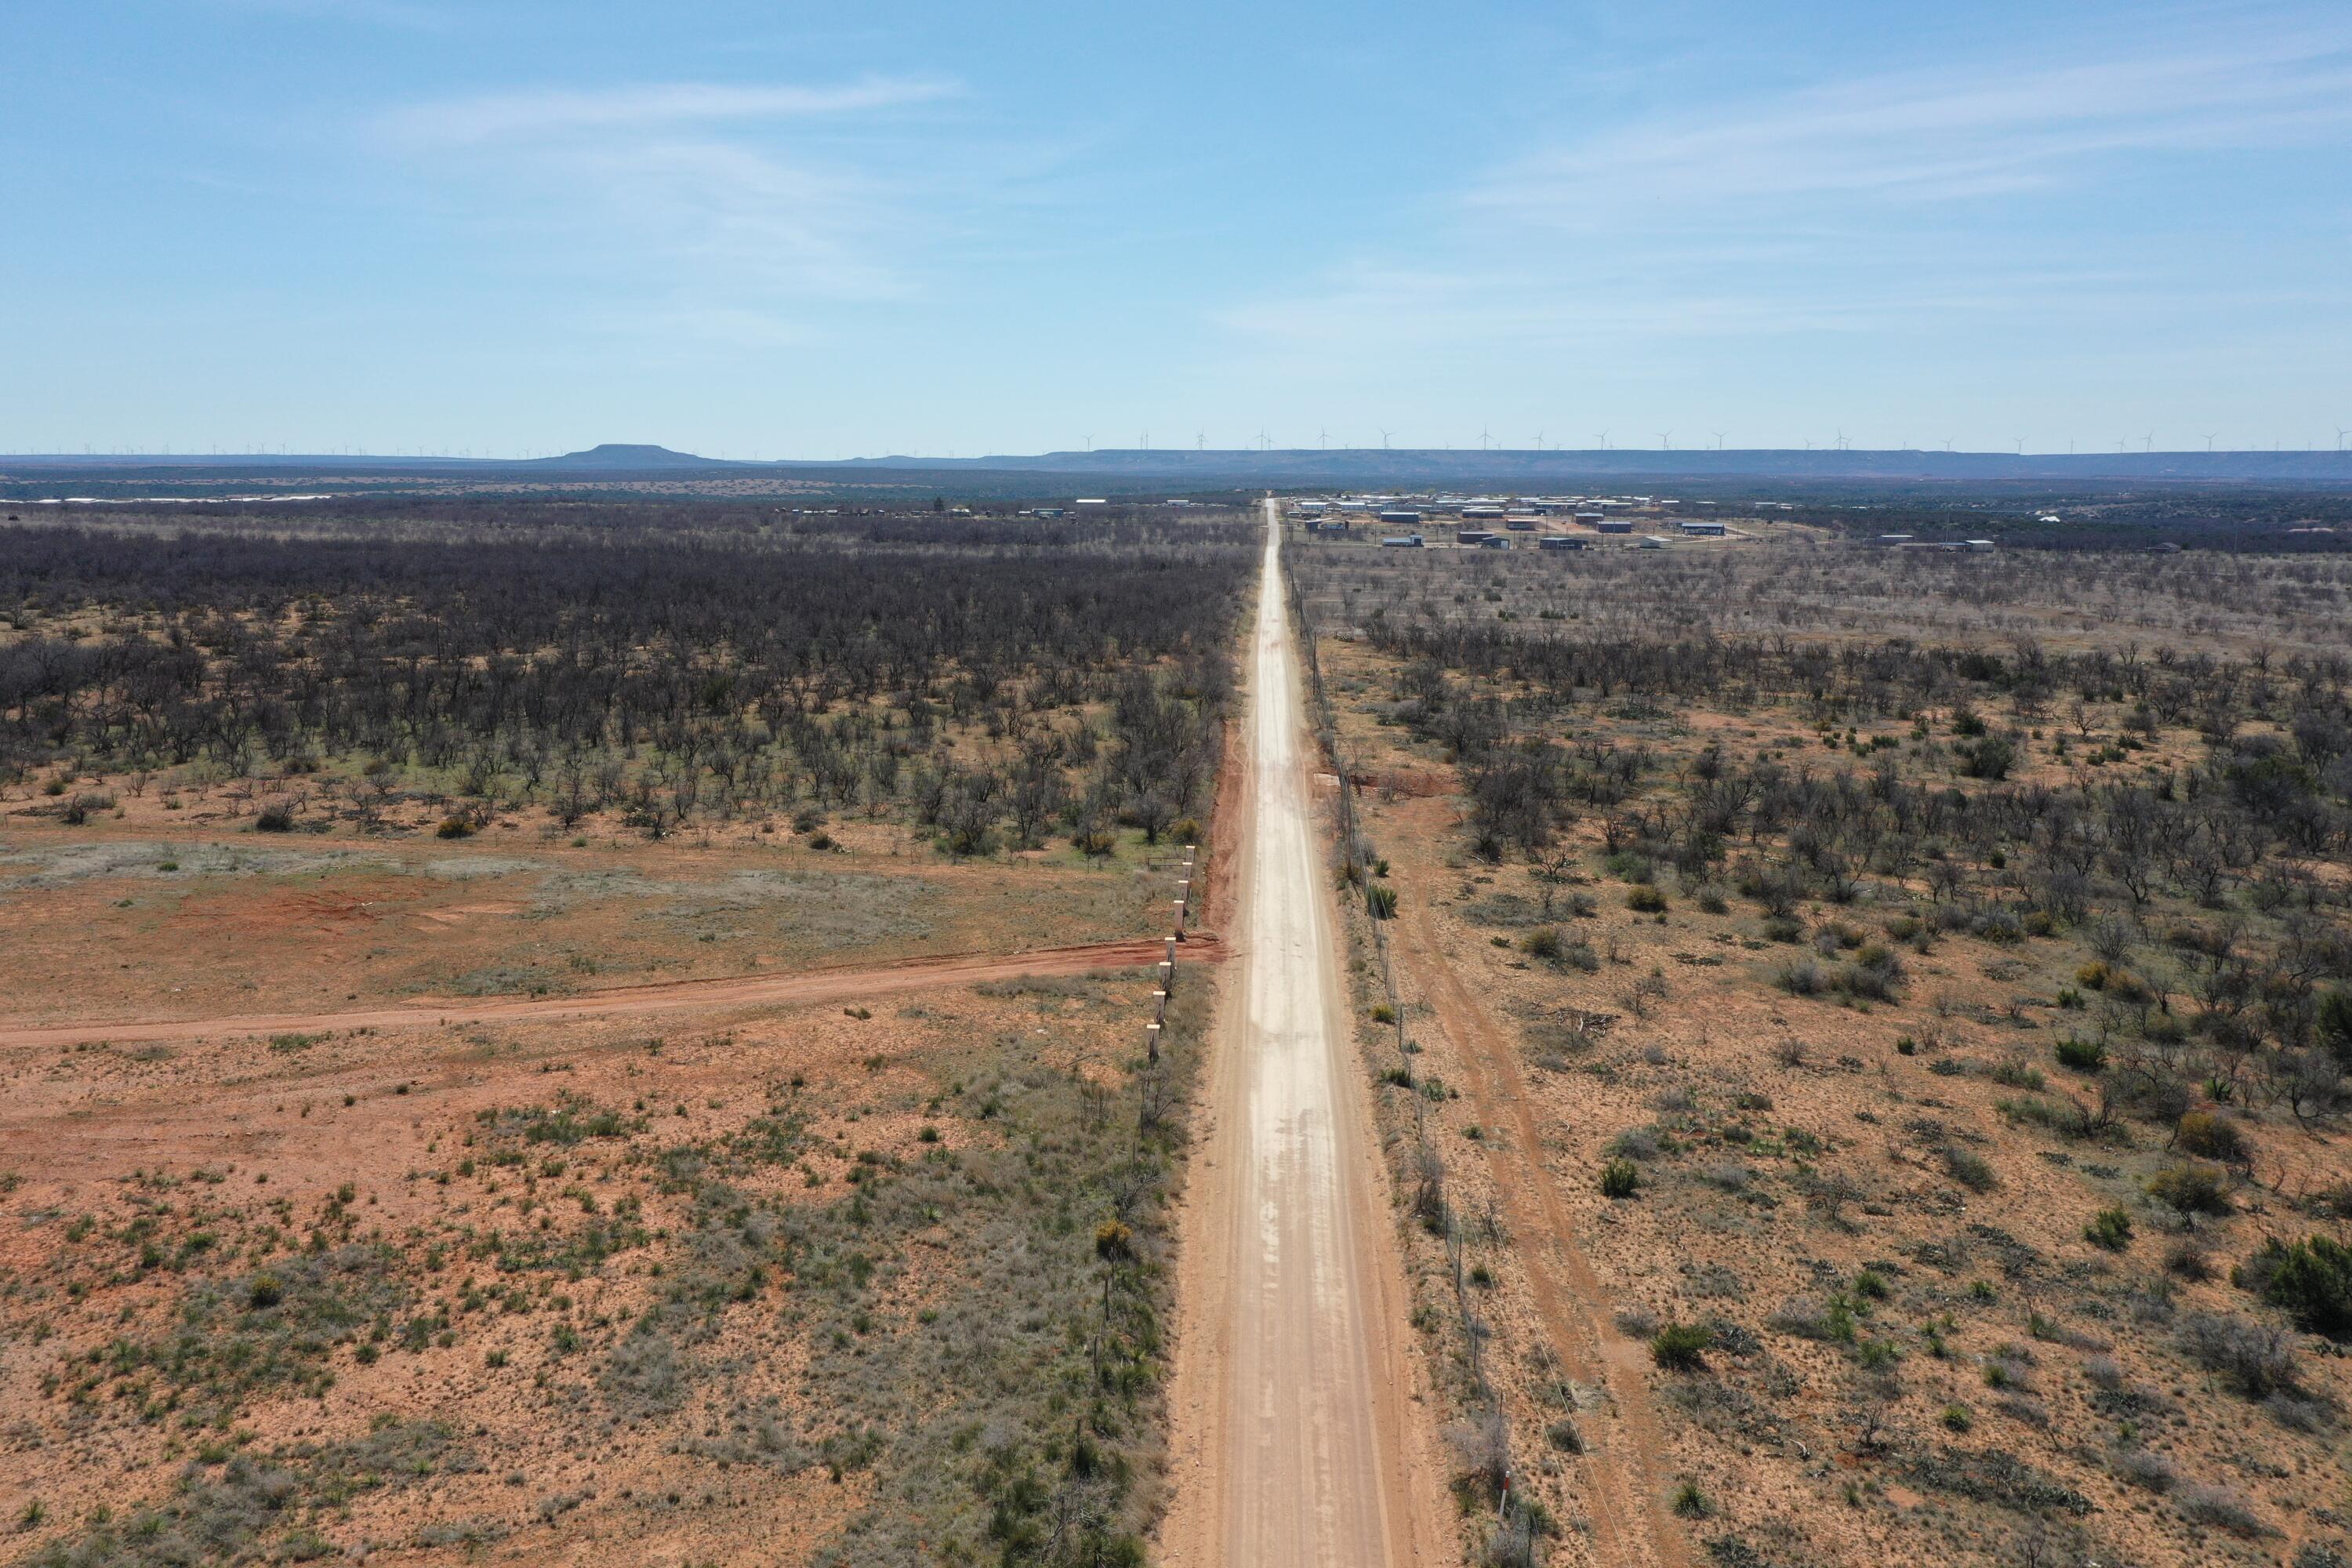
1625	1465
626	1001
1294	1439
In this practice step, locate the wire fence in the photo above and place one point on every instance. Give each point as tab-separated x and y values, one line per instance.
1432	1207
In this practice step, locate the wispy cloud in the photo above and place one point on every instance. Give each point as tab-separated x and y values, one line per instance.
1986	128
727	209
557	112
1856	205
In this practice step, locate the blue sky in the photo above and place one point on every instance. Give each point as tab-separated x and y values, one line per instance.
781	229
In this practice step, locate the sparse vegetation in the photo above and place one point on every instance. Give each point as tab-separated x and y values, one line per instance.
1971	993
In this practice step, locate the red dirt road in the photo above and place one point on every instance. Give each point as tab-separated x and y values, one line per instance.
627	1001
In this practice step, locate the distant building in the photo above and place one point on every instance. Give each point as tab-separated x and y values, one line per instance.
1694	528
1398	514
1520	521
1653	542
1471	536
1482	509
1051	511
1614	525
1494	542
1979	544
1895	539
1403	541
1558	541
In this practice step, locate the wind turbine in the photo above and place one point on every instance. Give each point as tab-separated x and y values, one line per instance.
2147	442
1720	434
1199	440
1604	440
1484	441
1384	439
2209	440
1840	440
1323	438
2340	440
1665	440
2340	434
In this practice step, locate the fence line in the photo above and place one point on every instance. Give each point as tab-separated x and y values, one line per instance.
1430	1202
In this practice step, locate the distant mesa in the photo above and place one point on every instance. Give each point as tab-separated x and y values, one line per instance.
632	457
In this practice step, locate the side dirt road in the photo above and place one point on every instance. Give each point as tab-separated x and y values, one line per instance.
1297	1439
1625	1457
627	1001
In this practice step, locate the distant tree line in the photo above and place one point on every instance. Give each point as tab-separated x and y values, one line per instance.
658	669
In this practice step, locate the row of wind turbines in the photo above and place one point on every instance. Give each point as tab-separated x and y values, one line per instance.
1841	442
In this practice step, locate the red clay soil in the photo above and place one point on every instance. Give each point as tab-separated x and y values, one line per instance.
624	1000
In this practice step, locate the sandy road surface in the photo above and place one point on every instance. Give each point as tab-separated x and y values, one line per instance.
1294	1441
627	1001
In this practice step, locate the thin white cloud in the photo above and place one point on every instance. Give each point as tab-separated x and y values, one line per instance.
552	112
1862	206
741	211
1988	129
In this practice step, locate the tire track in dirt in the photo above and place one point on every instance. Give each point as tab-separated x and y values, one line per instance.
1626	1469
628	1001
1294	1439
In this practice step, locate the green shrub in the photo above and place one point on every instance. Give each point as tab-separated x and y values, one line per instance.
2336	1024
2110	1228
1986	759
1682	1347
2190	1189
2210	1137
1619	1179
1379	902
2081	1055
1801	977
2310	1280
1646	899
1968	1168
2016	1074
